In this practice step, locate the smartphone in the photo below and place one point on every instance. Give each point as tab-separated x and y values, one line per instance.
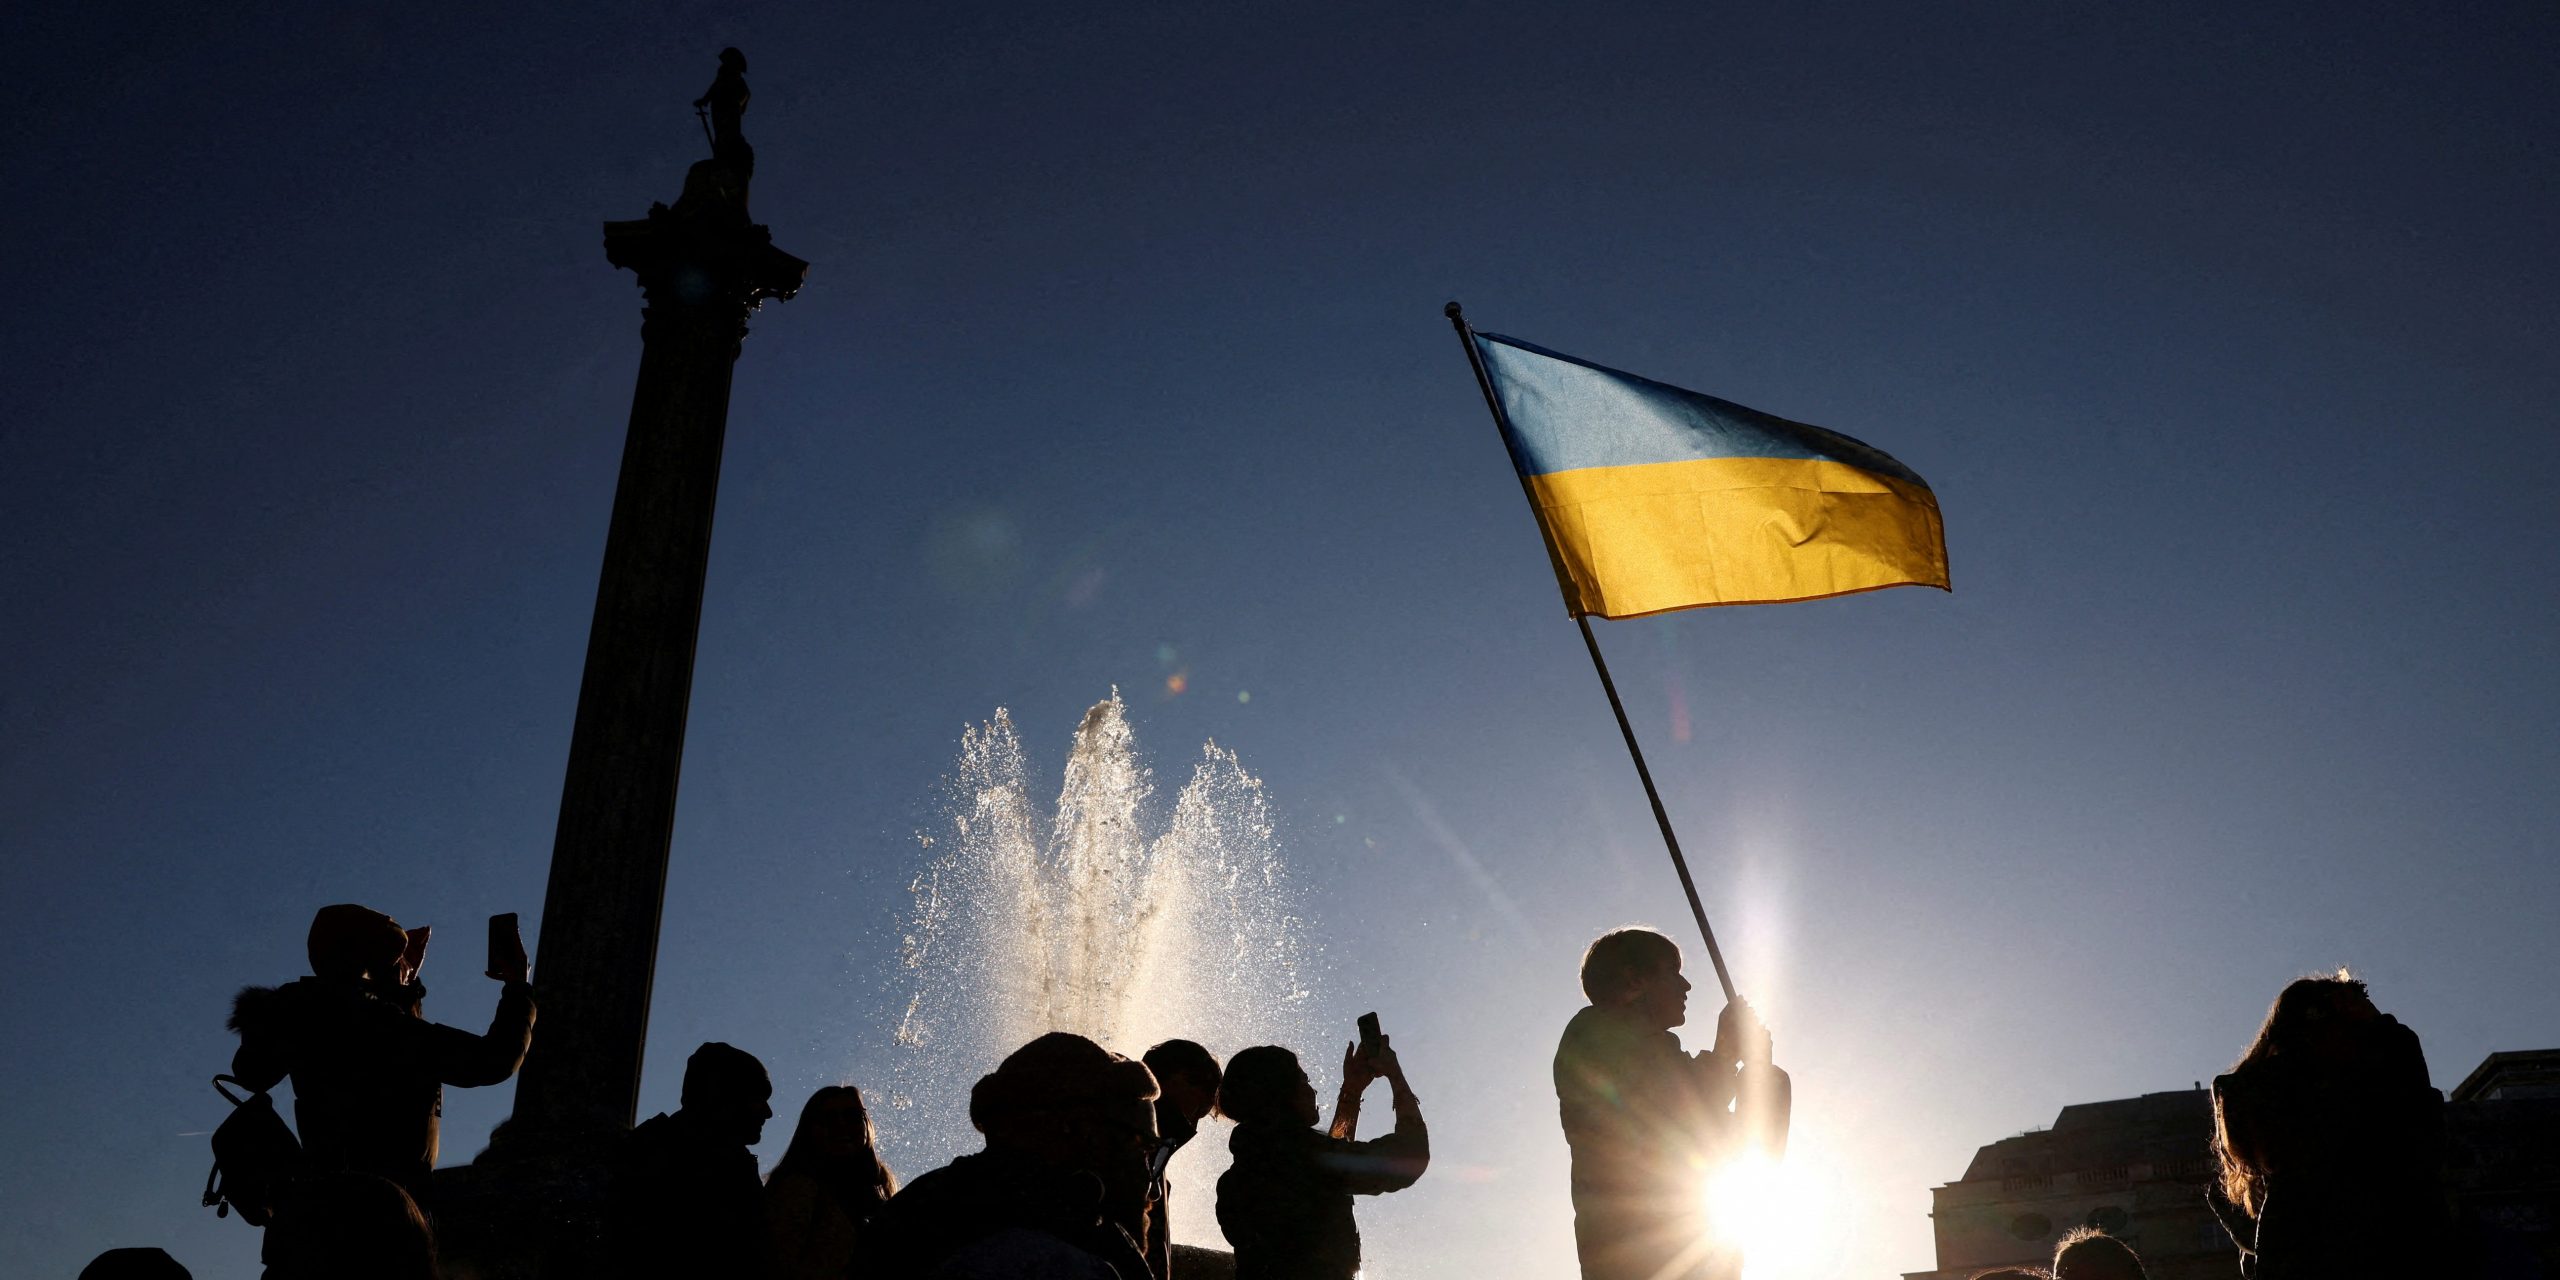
1369	1035
505	944
1160	1160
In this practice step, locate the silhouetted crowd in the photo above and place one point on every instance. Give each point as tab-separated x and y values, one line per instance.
2328	1144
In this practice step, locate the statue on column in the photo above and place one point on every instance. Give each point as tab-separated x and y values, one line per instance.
726	101
718	185
707	246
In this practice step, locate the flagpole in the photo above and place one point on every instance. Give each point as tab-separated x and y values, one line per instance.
1661	817
1669	841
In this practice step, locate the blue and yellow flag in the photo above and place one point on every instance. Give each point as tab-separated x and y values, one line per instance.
1653	498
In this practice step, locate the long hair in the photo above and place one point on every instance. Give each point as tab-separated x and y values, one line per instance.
864	1179
2243	1173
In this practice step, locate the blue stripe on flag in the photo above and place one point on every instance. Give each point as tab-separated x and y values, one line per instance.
1566	414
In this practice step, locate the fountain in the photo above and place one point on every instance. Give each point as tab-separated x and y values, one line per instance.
1102	917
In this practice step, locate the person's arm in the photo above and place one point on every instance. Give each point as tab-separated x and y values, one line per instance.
1742	1041
1395	1161
1765	1102
462	1059
1357	1072
1713	1083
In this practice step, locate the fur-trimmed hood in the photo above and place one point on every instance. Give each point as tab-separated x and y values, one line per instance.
258	1008
270	1010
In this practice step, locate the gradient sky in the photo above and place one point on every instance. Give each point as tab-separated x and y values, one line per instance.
2225	335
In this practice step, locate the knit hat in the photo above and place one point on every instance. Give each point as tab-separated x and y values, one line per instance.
717	1072
134	1264
348	941
1062	1071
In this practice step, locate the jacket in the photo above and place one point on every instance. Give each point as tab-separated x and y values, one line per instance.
368	1070
1285	1204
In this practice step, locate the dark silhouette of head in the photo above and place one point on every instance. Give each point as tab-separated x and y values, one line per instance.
135	1264
727	1092
350	1224
732	60
2316	1025
835	1144
1071	1104
2090	1254
1265	1085
2314	1022
2010	1273
349	941
1188	1075
1637	970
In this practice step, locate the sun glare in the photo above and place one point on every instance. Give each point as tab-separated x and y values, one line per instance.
1771	1209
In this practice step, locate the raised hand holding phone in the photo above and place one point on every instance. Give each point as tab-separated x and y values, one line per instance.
1377	1048
1357	1069
507	960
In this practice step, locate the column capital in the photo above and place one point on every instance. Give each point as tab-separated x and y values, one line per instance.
700	258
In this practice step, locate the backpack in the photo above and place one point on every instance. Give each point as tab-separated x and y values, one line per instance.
254	1155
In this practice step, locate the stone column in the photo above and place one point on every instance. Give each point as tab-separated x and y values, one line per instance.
704	267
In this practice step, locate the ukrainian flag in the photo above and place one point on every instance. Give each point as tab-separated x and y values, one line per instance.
1653	498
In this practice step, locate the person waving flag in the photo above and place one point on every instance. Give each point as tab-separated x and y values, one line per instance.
1652	498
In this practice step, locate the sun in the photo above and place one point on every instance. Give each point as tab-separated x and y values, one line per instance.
1768	1207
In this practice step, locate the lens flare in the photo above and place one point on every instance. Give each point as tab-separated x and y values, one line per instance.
1772	1210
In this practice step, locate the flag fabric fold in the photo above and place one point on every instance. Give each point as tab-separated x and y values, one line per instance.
1653	498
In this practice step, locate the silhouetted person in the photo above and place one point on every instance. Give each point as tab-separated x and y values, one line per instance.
829	1185
135	1264
2330	1141
1069	1129
1285	1204
2010	1273
686	1202
2090	1254
727	101
1187	1078
340	1225
1648	1123
368	1069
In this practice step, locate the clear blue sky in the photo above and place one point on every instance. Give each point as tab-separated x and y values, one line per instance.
2225	336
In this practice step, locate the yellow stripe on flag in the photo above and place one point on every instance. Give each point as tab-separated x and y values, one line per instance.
1647	538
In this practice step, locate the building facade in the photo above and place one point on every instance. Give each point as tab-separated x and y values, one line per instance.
2502	1160
2137	1168
2134	1167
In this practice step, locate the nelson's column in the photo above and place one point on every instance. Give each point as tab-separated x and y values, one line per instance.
527	1206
